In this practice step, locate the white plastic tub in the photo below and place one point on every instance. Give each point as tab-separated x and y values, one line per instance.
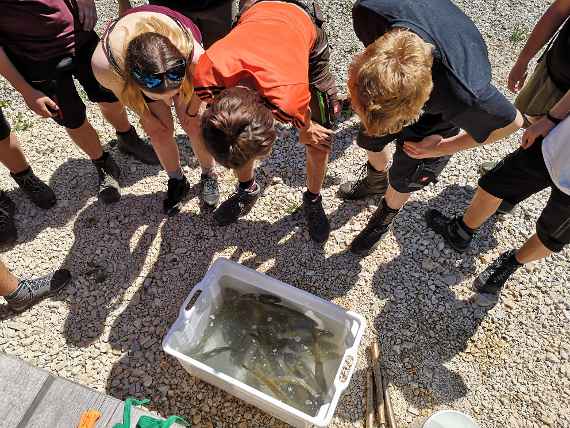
192	321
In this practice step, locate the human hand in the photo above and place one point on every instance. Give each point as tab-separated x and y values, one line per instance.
41	104
317	136
429	147
517	76
87	14
541	128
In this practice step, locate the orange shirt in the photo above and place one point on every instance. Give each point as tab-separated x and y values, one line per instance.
267	51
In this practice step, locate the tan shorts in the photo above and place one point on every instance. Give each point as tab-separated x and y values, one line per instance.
539	94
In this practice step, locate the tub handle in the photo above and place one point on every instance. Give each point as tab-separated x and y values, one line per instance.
198	288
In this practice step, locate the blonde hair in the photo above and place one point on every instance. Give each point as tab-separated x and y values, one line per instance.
391	81
182	42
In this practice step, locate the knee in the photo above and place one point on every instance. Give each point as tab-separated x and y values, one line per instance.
316	155
161	136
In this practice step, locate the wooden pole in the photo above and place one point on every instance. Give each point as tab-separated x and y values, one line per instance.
369	400
379	386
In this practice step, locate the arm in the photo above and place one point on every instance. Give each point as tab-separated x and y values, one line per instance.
36	100
542	32
436	146
544	125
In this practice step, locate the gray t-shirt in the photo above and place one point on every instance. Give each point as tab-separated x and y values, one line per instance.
556	153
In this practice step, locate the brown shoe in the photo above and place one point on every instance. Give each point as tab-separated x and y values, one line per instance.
370	182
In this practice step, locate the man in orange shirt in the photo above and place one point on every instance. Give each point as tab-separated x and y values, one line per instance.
273	64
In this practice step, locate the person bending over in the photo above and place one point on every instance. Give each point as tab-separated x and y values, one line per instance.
147	58
424	74
273	64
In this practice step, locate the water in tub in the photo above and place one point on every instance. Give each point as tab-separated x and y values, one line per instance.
275	346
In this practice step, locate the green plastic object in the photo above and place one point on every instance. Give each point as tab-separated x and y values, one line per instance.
146	421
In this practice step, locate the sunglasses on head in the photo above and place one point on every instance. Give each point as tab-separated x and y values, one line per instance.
176	73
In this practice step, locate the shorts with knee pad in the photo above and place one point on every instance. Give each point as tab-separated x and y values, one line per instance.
407	174
55	79
519	176
4	126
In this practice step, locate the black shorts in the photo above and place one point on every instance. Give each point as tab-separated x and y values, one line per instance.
522	174
214	21
407	174
55	79
4	126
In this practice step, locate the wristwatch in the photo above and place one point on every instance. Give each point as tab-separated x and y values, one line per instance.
553	119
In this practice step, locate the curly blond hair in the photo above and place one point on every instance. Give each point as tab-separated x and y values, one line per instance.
390	81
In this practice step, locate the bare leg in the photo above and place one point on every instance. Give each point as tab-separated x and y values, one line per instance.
482	206
379	160
532	250
246	172
116	115
11	155
395	199
86	138
160	128
8	282
317	161
191	126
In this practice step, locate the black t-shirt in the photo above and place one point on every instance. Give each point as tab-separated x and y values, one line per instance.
462	90
558	58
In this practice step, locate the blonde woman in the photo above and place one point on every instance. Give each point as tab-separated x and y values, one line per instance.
147	57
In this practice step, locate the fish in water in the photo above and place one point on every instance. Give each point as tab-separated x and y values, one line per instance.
261	341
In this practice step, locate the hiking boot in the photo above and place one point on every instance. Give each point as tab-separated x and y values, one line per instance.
450	228
109	175
317	221
31	291
237	205
367	240
505	207
210	189
176	194
8	232
35	189
492	279
130	144
369	182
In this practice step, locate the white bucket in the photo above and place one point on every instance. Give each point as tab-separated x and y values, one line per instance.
449	419
192	322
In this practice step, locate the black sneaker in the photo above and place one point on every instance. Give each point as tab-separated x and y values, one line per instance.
210	189
492	279
8	231
109	175
317	221
176	194
367	240
31	291
35	189
505	207
237	205
450	229
369	182
130	144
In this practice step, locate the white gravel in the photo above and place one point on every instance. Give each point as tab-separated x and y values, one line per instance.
507	366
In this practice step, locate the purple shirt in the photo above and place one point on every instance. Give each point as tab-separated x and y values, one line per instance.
39	30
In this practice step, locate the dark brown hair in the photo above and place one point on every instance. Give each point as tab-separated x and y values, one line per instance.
238	127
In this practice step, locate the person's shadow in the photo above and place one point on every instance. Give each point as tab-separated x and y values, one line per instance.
430	314
190	243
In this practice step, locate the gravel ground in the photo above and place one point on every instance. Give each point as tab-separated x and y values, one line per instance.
506	365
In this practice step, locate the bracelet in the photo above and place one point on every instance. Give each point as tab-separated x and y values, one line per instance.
553	119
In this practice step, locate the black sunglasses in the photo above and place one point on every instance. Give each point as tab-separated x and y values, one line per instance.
175	73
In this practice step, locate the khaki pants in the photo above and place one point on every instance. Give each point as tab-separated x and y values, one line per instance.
539	94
